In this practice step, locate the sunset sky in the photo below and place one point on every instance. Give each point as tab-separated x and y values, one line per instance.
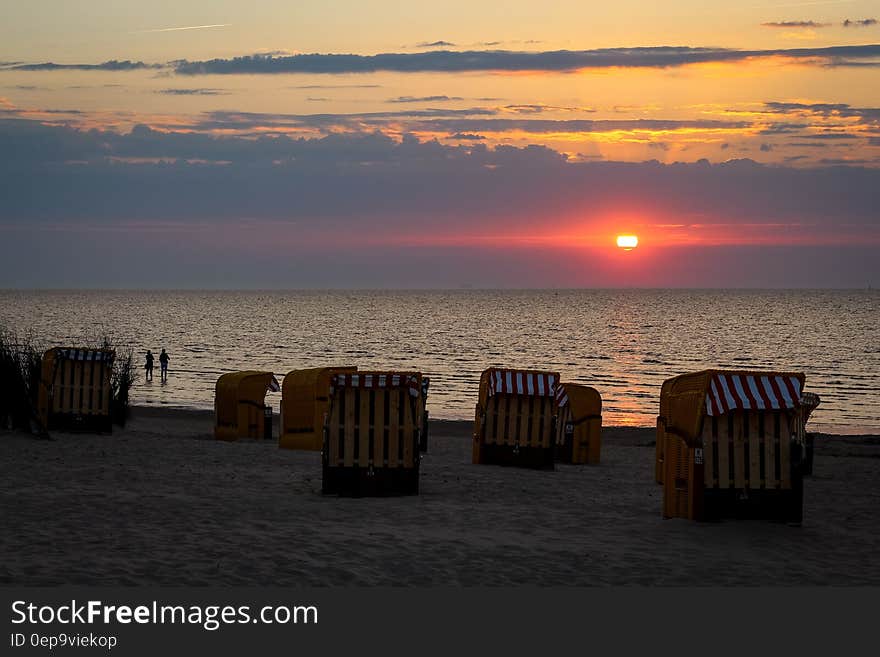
271	144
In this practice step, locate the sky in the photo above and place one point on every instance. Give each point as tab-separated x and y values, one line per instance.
268	144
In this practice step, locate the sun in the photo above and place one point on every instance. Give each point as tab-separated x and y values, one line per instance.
627	242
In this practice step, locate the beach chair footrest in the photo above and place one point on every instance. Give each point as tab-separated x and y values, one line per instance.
778	505
541	458
80	423
369	482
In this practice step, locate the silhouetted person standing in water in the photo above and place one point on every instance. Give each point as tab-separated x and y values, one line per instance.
163	363
148	366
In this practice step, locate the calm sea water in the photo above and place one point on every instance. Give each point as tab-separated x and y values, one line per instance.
623	342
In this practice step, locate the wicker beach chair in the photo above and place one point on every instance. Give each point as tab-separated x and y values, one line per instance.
733	445
75	390
515	420
372	434
240	409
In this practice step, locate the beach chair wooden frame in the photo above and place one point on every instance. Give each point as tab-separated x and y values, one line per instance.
372	434
515	422
305	400
423	422
240	406
809	402
578	424
75	391
733	445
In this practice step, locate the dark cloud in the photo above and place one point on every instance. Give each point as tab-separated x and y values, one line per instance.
435	44
193	92
783	128
784	24
18	112
293	177
543	126
830	136
866	115
466	136
423	99
112	65
234	120
527	109
539	108
481	60
147	191
825	109
865	22
847	63
559	61
441	120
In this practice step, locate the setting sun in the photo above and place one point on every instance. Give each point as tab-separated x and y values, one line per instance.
627	242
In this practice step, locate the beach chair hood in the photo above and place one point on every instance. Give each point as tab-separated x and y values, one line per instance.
685	400
498	380
236	390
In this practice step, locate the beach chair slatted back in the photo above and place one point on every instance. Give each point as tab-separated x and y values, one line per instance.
742	435
515	420
750	449
371	438
76	389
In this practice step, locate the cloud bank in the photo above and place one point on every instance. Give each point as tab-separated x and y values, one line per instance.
789	24
510	61
448	61
364	209
111	65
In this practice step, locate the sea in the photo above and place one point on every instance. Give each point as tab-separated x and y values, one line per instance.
624	343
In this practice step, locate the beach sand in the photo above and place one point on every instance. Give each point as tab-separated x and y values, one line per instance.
162	503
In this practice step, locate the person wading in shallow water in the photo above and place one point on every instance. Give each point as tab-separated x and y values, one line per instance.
148	366
163	363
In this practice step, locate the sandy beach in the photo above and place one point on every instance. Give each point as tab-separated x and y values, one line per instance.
162	503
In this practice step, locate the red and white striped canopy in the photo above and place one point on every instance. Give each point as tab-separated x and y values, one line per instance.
728	392
522	382
561	395
376	380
